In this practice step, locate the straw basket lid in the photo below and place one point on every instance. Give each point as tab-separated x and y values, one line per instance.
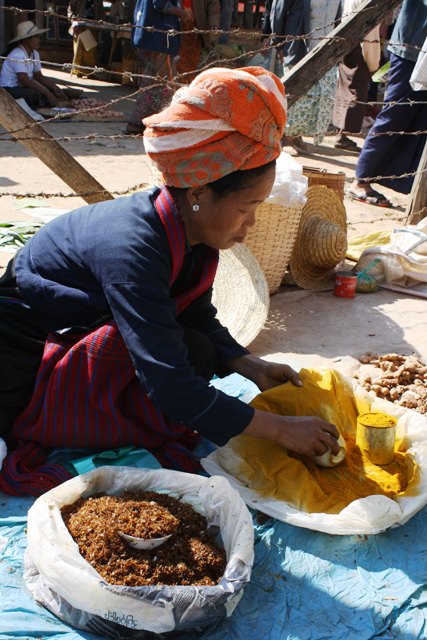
321	241
240	294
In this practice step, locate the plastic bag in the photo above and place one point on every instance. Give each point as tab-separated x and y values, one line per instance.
290	185
418	79
369	515
403	261
60	579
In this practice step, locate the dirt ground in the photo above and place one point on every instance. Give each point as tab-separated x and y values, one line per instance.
310	328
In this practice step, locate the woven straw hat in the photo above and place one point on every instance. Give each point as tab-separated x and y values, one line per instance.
25	30
321	241
240	294
240	290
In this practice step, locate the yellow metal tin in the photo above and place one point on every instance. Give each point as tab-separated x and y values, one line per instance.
376	436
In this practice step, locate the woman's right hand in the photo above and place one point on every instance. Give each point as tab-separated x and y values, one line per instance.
306	435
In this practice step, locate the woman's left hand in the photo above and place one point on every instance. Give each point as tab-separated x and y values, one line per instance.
264	374
272	374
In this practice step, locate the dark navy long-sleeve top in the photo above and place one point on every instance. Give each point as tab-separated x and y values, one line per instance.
113	259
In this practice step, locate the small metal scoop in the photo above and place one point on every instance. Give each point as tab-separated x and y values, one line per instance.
143	543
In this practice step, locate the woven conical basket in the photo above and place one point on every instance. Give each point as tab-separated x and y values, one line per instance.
321	241
272	238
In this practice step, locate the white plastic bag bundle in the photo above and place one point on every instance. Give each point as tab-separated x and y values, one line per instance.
418	79
290	185
403	261
60	579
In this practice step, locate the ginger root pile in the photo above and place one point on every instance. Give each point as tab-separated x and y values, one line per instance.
395	377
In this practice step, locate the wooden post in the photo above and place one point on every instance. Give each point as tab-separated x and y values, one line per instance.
333	48
417	205
28	132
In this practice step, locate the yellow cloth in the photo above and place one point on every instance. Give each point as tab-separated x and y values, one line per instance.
82	58
271	471
357	246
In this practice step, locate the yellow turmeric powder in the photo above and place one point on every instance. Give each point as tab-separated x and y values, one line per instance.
376	435
380	420
274	473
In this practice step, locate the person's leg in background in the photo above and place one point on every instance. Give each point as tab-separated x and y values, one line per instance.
84	60
227	10
154	94
33	98
392	155
352	92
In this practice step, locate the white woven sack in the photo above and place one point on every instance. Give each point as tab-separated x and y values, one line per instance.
66	584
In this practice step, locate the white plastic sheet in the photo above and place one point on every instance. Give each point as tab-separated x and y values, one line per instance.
369	515
60	578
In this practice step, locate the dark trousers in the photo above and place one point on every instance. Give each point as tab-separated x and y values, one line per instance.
32	97
394	155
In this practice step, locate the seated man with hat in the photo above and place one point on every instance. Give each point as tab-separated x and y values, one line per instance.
21	73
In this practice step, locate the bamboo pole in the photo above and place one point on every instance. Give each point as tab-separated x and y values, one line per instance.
417	205
28	132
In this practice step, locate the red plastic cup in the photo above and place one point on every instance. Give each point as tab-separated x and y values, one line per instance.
345	284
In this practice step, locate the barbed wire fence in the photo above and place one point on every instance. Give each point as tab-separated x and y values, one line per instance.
255	43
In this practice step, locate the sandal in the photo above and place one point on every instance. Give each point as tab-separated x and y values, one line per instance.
372	197
294	145
346	143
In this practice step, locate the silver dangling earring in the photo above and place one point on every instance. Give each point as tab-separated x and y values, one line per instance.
196	207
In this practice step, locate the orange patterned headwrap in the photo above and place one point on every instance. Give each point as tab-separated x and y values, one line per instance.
225	120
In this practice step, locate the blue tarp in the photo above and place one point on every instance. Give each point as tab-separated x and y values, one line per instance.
305	585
